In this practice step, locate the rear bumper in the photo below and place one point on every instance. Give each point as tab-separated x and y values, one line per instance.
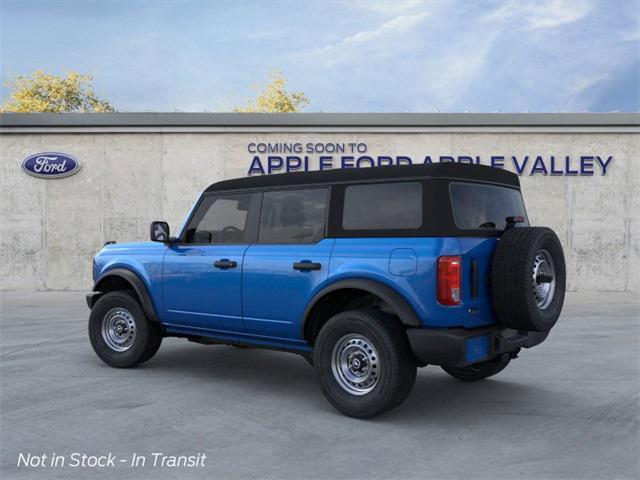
459	347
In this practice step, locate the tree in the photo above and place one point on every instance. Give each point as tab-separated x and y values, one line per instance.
275	99
42	92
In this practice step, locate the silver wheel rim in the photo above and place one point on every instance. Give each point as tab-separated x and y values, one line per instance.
544	279
355	364
119	329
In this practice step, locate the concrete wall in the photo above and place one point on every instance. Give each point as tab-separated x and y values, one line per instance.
51	228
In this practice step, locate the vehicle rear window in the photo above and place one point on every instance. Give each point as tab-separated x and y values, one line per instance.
383	206
476	206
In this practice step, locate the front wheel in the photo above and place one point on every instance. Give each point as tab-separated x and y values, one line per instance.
479	371
120	333
364	363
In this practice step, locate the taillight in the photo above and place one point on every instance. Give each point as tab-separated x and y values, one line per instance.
449	269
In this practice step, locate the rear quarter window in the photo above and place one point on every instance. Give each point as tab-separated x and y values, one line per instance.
383	206
476	206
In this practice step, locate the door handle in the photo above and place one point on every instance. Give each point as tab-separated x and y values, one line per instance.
225	263
306	265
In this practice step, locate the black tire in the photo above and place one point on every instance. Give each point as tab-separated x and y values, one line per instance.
479	371
308	356
148	335
396	371
512	279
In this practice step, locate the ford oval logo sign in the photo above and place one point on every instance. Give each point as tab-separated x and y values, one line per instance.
50	165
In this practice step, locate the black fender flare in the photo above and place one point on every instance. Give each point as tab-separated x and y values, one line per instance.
405	311
138	286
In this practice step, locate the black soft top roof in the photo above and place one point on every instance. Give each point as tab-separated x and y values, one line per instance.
458	171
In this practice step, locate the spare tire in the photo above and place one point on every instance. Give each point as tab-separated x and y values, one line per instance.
528	278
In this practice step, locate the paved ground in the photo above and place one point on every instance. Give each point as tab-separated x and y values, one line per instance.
566	409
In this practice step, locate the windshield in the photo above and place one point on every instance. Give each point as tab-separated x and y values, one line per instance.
477	206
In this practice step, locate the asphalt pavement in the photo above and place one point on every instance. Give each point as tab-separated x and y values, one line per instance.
569	408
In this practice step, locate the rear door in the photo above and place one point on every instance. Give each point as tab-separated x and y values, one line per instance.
288	263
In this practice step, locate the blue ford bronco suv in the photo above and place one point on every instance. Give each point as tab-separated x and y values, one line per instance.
367	273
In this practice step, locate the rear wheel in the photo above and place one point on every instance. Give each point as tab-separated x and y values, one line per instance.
120	333
479	371
364	363
308	356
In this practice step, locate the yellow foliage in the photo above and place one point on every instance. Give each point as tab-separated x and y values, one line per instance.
42	92
275	99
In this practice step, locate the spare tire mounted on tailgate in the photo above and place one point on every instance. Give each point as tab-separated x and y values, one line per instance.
528	278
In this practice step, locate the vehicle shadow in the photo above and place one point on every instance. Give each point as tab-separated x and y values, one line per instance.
253	367
436	397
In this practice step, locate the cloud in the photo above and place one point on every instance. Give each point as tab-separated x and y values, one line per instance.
389	7
384	40
555	13
399	24
553	51
582	83
456	70
540	15
630	36
451	73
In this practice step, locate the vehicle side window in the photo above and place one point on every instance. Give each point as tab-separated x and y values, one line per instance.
293	216
383	206
220	219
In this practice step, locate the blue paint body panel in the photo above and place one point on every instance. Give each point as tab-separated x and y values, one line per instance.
481	251
403	262
196	293
477	349
369	258
143	258
274	295
263	299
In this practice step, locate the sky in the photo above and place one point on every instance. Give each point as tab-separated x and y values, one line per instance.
346	56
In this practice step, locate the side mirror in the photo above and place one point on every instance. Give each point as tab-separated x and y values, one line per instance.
159	232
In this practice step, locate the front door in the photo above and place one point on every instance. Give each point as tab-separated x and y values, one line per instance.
287	264
202	273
